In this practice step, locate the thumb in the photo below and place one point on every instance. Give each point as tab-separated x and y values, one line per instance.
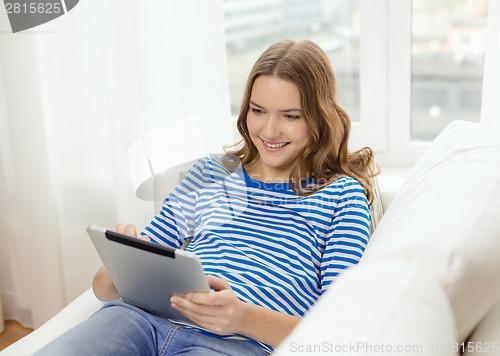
217	284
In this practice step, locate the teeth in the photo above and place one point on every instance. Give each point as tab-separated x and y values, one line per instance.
276	145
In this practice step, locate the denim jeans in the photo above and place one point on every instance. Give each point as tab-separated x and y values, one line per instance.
122	329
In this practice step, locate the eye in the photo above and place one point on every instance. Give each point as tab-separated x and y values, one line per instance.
257	111
292	117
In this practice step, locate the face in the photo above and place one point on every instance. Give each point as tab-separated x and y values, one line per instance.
276	126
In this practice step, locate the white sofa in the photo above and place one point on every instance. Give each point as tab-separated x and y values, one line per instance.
429	280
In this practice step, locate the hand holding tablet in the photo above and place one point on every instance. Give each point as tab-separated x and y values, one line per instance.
147	274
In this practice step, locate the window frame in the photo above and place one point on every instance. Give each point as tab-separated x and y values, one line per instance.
386	85
389	118
371	128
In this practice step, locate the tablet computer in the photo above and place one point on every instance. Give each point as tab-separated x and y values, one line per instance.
147	274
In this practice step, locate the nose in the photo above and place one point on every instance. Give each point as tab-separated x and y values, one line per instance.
273	127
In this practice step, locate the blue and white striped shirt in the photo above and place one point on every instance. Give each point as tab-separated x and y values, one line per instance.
275	248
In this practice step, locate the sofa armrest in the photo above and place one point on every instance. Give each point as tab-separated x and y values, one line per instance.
77	311
377	309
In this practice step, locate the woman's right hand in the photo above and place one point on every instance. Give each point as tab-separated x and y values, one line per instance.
102	284
131	231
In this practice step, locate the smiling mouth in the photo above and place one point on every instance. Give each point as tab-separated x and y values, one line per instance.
275	145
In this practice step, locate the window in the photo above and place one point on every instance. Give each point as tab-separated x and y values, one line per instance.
252	25
405	68
448	48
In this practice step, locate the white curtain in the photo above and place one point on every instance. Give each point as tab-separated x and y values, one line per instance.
490	110
74	94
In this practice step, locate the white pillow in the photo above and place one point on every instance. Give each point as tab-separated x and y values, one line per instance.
446	220
377	309
485	339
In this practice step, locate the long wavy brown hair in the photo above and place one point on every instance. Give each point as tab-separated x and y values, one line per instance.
325	158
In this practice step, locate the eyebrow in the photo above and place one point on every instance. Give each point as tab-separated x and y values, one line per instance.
284	110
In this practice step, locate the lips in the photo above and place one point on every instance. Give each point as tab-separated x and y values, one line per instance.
274	146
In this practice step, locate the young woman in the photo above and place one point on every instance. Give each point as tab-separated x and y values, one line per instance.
272	233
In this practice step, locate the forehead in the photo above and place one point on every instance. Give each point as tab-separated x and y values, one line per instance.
272	92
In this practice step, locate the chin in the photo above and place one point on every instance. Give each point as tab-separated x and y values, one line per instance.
279	166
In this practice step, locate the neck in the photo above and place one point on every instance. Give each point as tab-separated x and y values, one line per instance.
267	174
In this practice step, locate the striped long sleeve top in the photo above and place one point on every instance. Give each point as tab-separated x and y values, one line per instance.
276	249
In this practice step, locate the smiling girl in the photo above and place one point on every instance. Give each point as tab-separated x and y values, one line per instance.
272	234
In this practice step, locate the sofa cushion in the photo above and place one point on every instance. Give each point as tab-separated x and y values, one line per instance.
377	309
446	220
485	339
74	313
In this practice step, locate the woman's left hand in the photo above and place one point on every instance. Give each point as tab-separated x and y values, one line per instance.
219	311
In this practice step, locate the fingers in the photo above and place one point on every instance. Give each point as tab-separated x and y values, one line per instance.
131	231
217	311
222	295
192	308
210	298
205	318
120	228
217	284
128	230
